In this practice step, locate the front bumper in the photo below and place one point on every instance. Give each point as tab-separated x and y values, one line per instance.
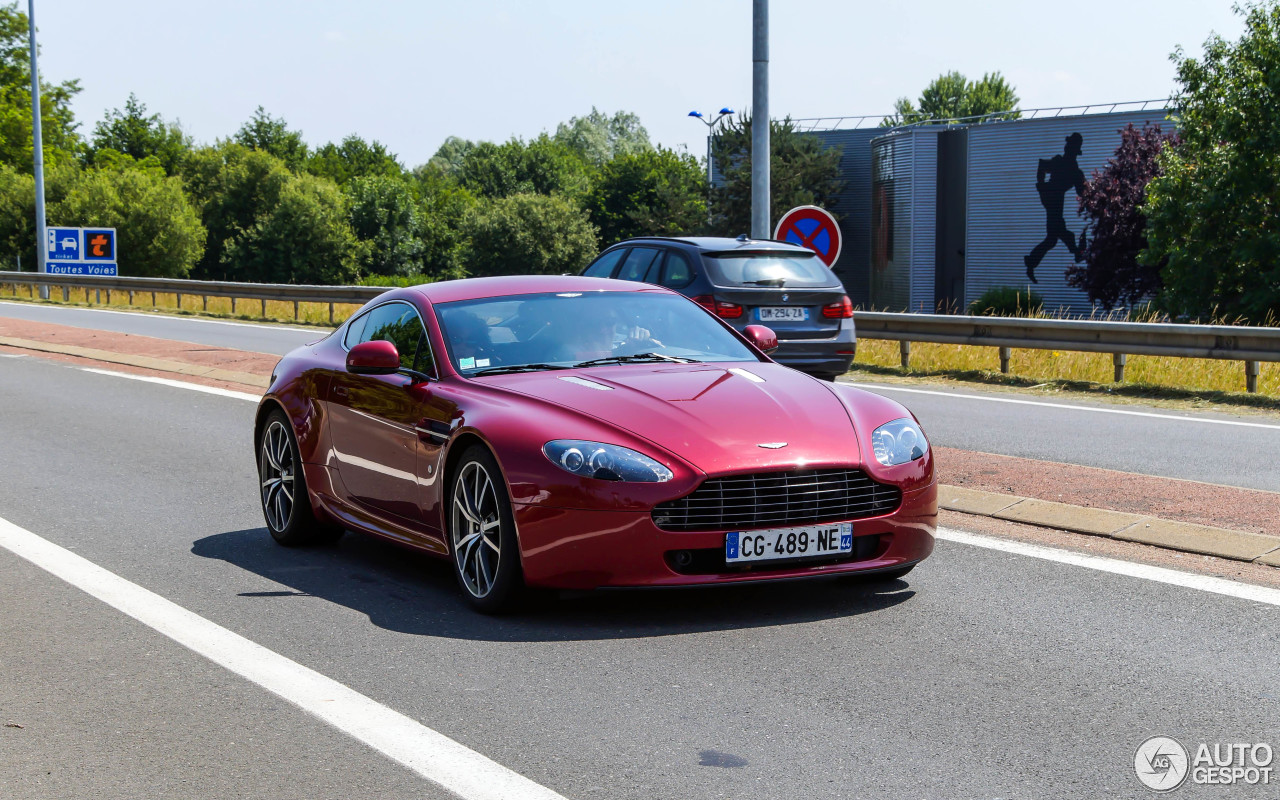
577	549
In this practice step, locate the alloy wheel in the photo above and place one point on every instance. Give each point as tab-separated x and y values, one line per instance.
476	529
276	471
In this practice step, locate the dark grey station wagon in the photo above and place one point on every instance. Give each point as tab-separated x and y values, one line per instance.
748	282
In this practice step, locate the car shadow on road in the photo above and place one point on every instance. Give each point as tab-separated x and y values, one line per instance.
410	592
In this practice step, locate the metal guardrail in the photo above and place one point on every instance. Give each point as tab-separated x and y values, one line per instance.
1230	342
357	295
1122	339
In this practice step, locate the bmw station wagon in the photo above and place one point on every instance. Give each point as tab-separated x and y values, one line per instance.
748	282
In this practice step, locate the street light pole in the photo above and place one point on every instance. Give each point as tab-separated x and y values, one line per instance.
711	125
37	152
760	154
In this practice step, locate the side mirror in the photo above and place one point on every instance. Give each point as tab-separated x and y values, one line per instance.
763	338
373	358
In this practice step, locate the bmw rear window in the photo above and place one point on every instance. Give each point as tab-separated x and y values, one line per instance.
768	269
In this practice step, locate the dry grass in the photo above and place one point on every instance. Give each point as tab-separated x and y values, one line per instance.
1155	372
223	307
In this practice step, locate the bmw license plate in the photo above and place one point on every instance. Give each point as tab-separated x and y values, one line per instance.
781	543
783	314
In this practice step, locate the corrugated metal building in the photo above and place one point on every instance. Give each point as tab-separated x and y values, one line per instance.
853	208
933	216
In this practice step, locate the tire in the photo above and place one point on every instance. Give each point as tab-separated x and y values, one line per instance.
479	512
286	506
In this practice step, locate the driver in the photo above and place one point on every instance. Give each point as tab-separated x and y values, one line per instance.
469	336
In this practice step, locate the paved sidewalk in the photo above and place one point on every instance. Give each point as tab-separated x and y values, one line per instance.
1222	521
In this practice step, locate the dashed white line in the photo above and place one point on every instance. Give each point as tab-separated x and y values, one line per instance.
1204	583
195	387
1093	409
406	741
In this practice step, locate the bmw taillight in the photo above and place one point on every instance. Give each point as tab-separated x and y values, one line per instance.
722	309
841	310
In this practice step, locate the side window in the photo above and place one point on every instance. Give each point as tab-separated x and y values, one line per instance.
399	324
353	331
603	266
637	263
678	272
655	267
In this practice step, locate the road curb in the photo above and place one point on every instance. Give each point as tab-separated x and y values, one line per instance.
1220	542
143	362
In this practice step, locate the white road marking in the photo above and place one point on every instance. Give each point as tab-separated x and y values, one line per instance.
1068	406
195	387
260	326
1189	580
406	741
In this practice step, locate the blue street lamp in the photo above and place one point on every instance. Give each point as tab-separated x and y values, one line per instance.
711	124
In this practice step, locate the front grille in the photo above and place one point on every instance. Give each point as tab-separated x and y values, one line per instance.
772	499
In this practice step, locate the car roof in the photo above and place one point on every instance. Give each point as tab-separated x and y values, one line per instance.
478	288
720	244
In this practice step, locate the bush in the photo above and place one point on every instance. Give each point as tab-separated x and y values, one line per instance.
396	280
1007	301
529	234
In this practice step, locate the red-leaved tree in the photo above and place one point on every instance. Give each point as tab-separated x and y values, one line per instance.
1115	231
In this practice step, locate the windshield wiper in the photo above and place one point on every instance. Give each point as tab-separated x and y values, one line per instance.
638	358
778	282
515	368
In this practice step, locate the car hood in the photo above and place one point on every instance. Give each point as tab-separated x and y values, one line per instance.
716	417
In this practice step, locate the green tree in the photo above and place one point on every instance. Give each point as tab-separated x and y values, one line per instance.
650	192
598	138
158	231
1212	213
57	122
303	237
952	97
529	234
444	206
133	132
236	186
272	135
18	208
354	158
801	173
542	166
448	158
386	216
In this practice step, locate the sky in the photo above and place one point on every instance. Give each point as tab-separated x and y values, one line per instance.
410	74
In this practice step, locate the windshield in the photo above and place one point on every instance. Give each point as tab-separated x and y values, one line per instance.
768	269
519	333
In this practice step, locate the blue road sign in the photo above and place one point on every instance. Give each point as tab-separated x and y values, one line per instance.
99	245
65	244
81	268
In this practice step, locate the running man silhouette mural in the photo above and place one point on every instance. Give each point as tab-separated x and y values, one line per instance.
1054	178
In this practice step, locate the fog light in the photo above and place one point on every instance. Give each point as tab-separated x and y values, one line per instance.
683	558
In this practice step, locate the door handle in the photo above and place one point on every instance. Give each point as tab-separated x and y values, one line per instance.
341	391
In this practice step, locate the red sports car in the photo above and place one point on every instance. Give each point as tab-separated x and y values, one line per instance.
577	433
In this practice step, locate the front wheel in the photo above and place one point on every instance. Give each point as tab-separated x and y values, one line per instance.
283	488
482	533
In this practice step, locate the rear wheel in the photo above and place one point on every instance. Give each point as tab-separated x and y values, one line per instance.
482	533
283	488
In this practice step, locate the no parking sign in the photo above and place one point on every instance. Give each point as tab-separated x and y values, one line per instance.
811	227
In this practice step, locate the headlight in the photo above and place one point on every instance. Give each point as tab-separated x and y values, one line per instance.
898	442
606	462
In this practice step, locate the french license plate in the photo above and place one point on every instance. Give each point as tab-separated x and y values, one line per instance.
783	314
779	543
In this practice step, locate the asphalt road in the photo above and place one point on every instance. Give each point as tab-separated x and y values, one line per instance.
983	674
1209	447
275	339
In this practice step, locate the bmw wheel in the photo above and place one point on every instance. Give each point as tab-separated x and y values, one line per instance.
283	488
482	533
